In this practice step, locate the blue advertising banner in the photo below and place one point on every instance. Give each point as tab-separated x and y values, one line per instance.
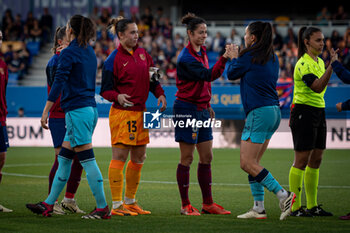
226	101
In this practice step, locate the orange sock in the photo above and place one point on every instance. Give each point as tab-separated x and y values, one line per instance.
116	179
132	177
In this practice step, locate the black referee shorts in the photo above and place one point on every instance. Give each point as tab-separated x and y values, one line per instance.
309	128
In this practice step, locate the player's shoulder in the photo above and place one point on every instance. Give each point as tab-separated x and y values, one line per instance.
185	56
53	60
109	62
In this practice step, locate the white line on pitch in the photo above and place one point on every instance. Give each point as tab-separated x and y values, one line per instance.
173	182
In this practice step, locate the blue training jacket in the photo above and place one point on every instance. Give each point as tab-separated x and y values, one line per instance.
344	75
258	82
75	77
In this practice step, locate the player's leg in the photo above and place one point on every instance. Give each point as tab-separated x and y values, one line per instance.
132	178
260	125
187	139
65	161
183	177
304	139
69	203
81	124
120	154
57	128
258	210
204	176
311	180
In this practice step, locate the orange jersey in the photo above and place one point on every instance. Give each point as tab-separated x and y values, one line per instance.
127	127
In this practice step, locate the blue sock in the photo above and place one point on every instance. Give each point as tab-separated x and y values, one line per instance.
94	176
266	179
256	188
60	180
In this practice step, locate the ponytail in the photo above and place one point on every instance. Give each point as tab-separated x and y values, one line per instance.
262	51
305	33
84	29
60	33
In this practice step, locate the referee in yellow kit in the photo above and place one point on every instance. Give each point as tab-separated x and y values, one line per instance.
308	121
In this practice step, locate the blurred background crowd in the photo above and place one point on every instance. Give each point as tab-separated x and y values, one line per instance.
25	36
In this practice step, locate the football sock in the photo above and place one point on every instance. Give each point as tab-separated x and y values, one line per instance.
94	176
282	194
132	178
60	180
116	204
129	201
68	199
74	178
296	176
183	182
259	206
311	184
258	194
268	181
116	179
53	172
204	180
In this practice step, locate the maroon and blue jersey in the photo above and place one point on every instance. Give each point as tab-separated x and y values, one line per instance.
194	76
126	73
56	110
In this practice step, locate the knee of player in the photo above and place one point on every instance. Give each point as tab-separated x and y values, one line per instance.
186	160
206	159
300	164
140	158
245	165
315	162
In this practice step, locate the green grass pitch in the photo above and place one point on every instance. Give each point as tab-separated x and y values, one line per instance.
25	180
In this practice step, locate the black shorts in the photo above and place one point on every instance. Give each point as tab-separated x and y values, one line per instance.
309	128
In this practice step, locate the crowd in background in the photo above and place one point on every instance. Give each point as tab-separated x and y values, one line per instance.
23	32
157	37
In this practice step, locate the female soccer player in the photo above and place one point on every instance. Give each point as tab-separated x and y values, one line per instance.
257	67
308	121
126	83
57	127
193	96
4	142
344	75
76	77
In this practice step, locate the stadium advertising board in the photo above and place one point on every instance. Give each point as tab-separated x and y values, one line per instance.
26	131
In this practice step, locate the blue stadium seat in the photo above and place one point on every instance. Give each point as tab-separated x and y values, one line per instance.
33	48
13	77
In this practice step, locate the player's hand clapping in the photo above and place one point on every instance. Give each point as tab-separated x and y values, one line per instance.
231	51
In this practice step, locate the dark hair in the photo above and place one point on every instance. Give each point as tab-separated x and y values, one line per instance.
305	33
119	24
84	29
192	21
262	50
59	34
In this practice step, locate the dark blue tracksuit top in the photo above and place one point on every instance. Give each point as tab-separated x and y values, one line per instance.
75	77
258	82
344	75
